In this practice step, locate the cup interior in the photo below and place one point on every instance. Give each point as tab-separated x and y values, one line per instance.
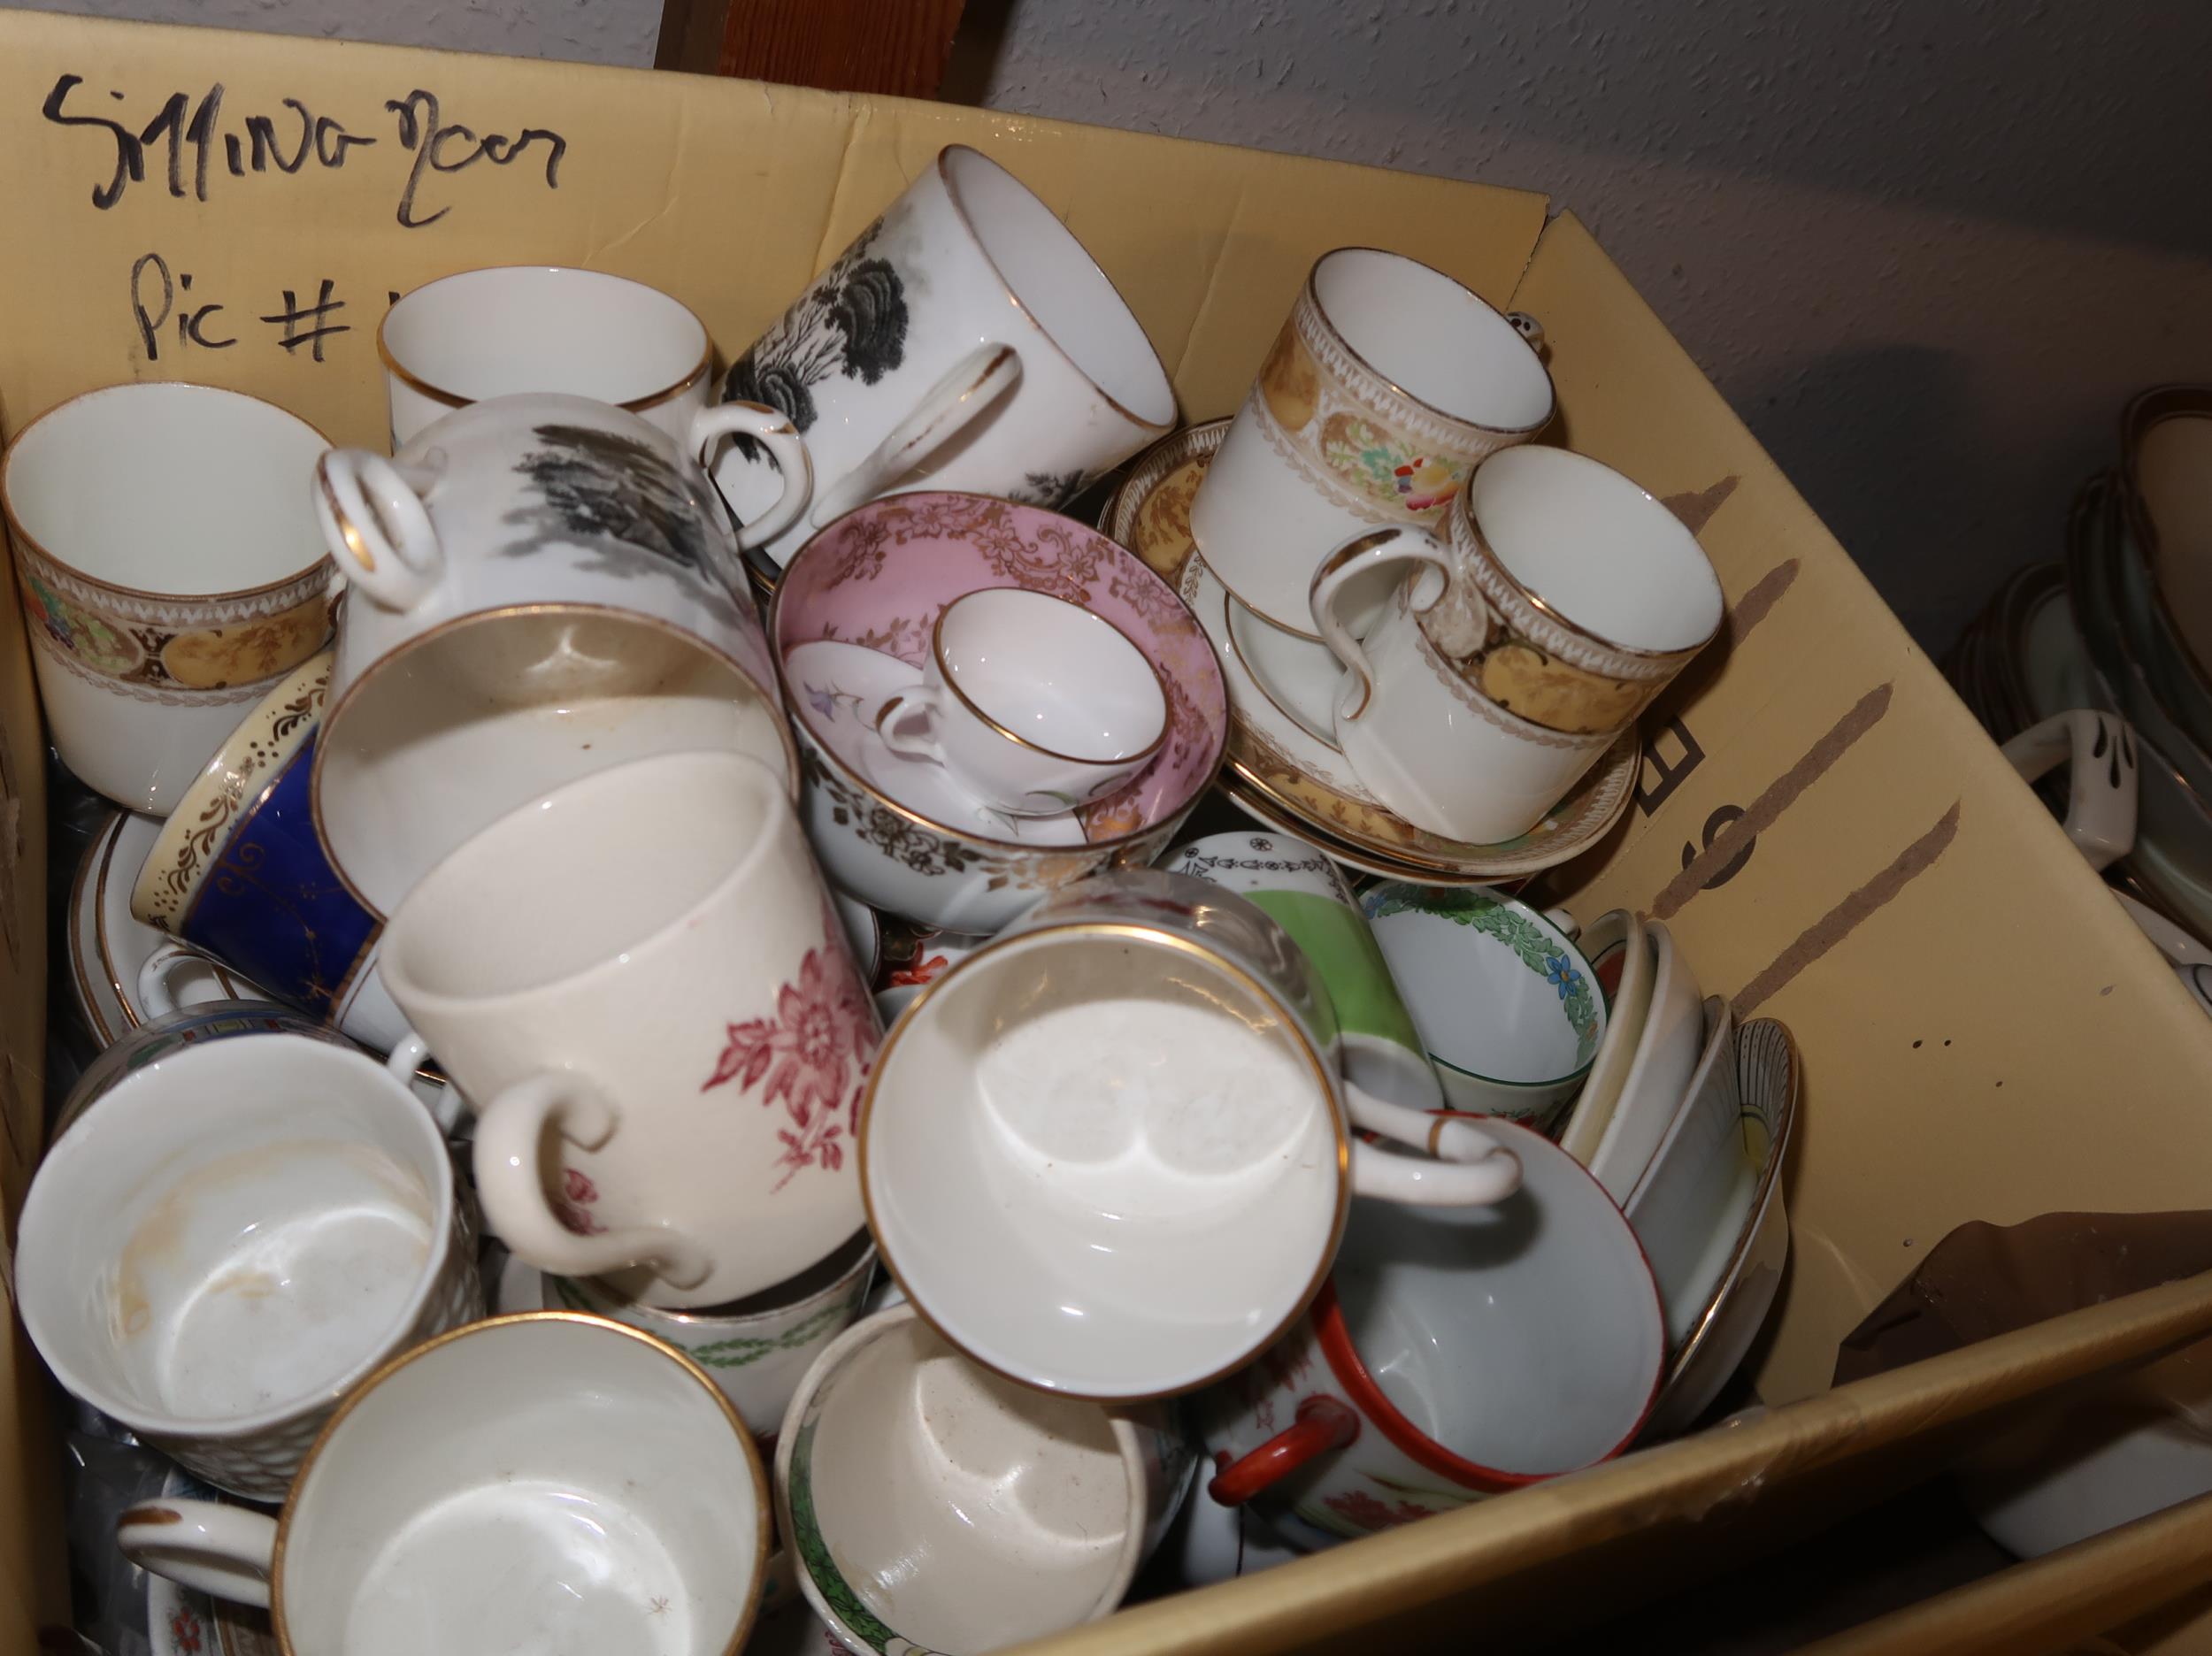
1028	1513
234	1233
1063	1122
1433	339
1059	285
217	498
537	328
1600	552
1522	1339
1051	674
533	1483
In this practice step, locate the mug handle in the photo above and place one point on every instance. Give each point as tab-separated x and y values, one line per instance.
154	993
1351	558
977	380
401	1063
2101	782
510	1136
1465	1166
920	744
774	430
205	1545
1321	1424
361	500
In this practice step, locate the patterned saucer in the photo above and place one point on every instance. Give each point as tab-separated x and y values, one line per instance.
1283	774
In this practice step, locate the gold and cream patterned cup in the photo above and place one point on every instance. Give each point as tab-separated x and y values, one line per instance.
1387	386
164	603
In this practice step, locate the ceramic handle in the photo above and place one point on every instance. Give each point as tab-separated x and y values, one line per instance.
1351	559
204	1545
362	502
977	380
1471	1170
154	993
918	744
510	1140
1321	1423
403	1064
774	430
2099	749
1448	1138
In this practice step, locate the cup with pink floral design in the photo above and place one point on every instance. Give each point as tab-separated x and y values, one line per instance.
1453	1354
641	985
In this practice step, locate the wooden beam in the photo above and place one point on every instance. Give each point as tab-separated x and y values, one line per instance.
889	46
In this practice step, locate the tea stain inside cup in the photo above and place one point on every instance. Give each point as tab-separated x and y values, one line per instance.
1040	1475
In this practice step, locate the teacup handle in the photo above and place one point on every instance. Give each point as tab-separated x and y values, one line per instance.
774	430
361	501
975	382
2101	780
511	1135
154	993
205	1545
918	744
402	1063
1321	1424
1405	544
1465	1166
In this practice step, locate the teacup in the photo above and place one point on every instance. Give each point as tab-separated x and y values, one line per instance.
965	340
1455	1353
542	586
1506	662
491	333
1303	892
1389	383
757	1350
676	1046
242	1219
163	604
1133	1078
1031	1513
2103	777
1036	705
530	1483
1507	1005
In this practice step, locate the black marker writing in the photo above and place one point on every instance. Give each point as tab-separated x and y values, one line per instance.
295	314
192	321
448	149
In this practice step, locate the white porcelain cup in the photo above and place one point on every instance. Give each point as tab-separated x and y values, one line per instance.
542	586
1507	661
494	332
2103	777
933	1505
170	574
242	1219
965	340
528	1484
1388	384
1035	705
641	988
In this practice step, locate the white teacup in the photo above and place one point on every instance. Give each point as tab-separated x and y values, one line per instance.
491	333
1036	705
933	1505
538	1483
675	1043
243	1219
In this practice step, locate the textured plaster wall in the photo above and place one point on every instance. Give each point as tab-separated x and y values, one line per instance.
587	31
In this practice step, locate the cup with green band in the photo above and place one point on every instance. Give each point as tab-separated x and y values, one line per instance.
1304	893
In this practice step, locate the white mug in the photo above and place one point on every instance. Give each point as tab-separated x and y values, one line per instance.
491	333
529	1483
244	1217
542	586
965	341
1507	663
1388	385
641	988
1036	705
166	598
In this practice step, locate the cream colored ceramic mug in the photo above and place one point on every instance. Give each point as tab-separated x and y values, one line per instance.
641	987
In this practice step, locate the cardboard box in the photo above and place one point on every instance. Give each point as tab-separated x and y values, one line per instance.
1831	837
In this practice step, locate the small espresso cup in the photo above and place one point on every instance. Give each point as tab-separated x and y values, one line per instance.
242	1219
1033	1512
491	333
163	605
1507	662
1537	1348
1035	705
1389	383
543	1482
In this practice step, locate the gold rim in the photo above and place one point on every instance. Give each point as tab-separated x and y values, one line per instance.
1153	937
26	539
1138	758
1229	630
763	1508
102	847
454	399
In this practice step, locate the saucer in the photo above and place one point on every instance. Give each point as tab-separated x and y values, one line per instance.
1299	677
846	685
108	946
1276	769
